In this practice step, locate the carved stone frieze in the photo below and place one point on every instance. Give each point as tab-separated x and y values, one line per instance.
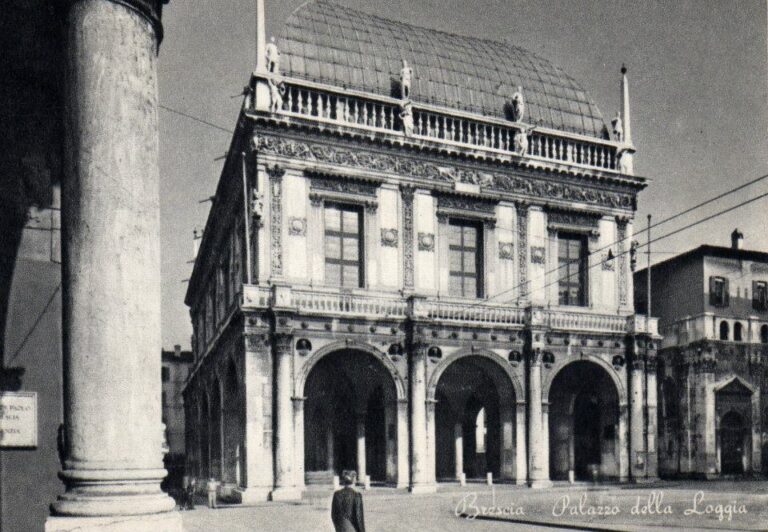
345	186
622	258
465	203
557	219
389	238
407	167
276	174
522	247
506	251
426	242
408	267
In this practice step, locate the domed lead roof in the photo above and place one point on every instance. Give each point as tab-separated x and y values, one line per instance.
335	45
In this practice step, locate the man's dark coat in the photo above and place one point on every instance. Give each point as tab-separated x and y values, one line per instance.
347	511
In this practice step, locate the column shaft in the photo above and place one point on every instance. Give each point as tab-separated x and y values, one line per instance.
458	435
361	466
538	472
418	422
285	488
111	270
636	420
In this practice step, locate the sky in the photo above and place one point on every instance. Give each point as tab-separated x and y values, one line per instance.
698	96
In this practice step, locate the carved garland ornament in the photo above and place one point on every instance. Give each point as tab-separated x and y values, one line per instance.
407	194
426	242
506	251
389	238
522	247
419	169
276	217
621	225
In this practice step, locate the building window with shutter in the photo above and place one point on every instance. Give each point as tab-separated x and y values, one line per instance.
760	295
465	246
718	291
572	269
343	246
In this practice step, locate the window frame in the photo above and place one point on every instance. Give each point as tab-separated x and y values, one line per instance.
359	210
719	298
582	263
760	295
479	255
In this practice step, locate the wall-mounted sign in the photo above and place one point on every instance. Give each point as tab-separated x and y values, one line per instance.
18	419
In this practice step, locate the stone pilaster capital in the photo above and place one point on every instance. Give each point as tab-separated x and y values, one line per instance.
152	10
283	341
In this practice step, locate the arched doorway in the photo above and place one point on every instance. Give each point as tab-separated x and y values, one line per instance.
583	423
350	418
732	444
475	420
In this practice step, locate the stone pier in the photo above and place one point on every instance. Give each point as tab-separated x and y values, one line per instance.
112	451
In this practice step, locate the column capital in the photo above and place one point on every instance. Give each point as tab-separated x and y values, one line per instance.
151	10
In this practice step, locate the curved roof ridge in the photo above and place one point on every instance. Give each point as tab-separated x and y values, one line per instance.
329	43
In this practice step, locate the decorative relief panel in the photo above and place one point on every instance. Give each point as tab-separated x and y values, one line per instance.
538	255
426	170
522	247
573	221
345	186
426	242
276	217
389	238
464	203
297	226
621	226
506	251
407	194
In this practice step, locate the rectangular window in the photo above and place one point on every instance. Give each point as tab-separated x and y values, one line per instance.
465	245
760	295
343	246
165	373
572	269
718	291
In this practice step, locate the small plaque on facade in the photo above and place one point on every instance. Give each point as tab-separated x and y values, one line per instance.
18	419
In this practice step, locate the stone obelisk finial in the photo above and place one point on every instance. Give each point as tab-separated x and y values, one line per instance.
261	39
625	106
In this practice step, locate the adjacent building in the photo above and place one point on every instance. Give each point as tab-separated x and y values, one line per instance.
712	304
173	374
417	265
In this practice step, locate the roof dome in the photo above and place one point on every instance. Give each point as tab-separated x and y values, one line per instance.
332	44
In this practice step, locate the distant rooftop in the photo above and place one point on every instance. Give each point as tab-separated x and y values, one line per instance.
332	44
712	251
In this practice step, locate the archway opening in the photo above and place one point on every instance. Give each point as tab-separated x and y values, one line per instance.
737	332
475	421
724	330
583	423
216	432
764	334
350	418
205	441
732	444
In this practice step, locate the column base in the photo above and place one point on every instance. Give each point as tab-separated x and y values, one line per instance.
422	488
521	482
289	493
251	496
540	484
165	522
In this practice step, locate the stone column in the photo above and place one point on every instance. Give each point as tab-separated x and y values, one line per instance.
113	459
361	466
402	443
285	488
418	422
707	425
298	439
651	440
521	465
637	458
258	428
431	441
458	436
538	472
623	443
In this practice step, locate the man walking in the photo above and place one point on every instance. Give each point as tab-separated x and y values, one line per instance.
347	506
211	487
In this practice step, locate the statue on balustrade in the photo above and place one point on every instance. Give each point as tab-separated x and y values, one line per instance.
521	142
406	73
518	105
406	115
276	91
273	57
618	128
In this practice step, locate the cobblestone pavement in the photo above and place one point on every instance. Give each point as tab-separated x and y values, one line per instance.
633	507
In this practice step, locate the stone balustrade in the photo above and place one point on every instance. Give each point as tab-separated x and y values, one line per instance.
573	320
467	312
332	106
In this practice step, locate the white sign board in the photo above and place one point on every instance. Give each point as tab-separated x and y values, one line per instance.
18	419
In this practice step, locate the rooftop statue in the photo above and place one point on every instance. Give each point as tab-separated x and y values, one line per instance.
276	91
406	73
618	128
273	57
518	105
521	142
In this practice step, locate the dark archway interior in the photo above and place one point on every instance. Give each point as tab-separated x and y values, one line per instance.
732	429
583	423
233	415
348	392
471	395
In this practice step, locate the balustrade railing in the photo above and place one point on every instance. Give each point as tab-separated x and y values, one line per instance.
335	303
385	115
491	314
585	321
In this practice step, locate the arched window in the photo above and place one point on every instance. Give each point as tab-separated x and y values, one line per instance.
737	328
724	330
764	334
